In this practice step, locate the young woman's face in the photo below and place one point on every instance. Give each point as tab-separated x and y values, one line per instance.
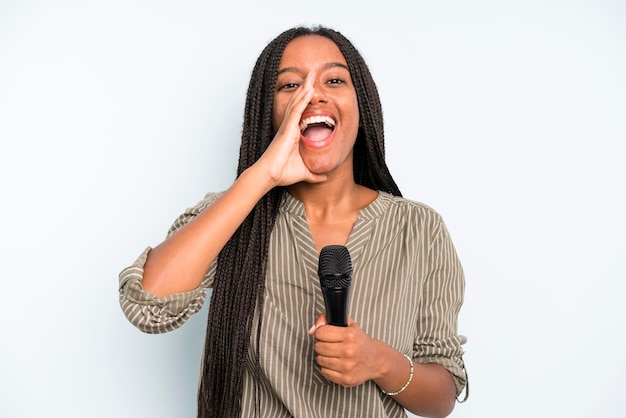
330	123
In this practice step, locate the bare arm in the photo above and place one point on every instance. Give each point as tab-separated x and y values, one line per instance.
180	262
431	392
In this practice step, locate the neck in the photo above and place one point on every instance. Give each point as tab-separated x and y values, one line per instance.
332	200
327	193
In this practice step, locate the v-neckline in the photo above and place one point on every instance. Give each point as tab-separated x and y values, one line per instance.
357	239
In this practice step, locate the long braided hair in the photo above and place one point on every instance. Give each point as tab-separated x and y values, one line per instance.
240	277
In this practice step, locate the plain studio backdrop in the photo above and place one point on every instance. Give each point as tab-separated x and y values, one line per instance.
507	117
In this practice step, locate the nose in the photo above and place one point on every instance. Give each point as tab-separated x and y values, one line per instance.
319	96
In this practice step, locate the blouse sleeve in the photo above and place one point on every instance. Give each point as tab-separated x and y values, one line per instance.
442	296
155	315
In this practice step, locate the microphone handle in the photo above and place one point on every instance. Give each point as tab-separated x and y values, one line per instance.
336	301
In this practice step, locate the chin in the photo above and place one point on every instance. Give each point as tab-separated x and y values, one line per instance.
319	166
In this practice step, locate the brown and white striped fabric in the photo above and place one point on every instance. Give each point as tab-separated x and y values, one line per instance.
407	289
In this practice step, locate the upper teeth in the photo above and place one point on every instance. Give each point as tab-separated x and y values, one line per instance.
316	119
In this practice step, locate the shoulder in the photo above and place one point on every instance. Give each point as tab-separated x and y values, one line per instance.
407	208
409	218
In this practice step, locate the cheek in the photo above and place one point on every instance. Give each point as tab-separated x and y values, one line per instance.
278	112
355	121
357	112
353	115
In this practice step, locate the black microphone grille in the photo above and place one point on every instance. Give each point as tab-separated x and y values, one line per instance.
335	267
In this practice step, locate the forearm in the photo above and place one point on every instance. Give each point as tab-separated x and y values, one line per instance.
431	392
179	263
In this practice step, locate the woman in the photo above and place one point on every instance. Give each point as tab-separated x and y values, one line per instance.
311	173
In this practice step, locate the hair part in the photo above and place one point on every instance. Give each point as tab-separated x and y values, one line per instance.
239	282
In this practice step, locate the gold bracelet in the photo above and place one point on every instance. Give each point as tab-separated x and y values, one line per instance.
406	385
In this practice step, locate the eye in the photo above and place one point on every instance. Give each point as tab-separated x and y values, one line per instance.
336	80
288	86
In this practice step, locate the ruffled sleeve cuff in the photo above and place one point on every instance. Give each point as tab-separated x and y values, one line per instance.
152	314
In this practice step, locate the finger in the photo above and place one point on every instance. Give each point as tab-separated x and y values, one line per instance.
340	376
299	101
305	92
331	334
330	363
328	349
335	334
321	320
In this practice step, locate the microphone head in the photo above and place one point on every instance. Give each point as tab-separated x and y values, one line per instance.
335	267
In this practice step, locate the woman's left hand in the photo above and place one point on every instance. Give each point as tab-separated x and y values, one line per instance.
350	357
346	355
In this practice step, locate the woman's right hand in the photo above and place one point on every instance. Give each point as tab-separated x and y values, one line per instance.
281	160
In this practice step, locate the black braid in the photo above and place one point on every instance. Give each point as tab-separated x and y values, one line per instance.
240	278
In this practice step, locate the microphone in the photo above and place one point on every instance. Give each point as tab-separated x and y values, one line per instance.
335	272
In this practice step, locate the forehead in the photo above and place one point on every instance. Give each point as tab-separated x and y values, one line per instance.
309	51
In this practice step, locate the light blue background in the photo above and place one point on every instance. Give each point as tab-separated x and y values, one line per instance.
505	116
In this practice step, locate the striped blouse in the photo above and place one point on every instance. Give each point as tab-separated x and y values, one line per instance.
407	289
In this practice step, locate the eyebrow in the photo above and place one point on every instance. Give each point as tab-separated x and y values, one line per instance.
325	66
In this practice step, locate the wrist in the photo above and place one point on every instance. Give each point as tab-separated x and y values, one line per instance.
395	372
408	382
259	178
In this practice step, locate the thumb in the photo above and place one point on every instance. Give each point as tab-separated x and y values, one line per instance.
321	320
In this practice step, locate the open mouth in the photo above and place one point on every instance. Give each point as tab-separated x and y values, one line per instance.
317	128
